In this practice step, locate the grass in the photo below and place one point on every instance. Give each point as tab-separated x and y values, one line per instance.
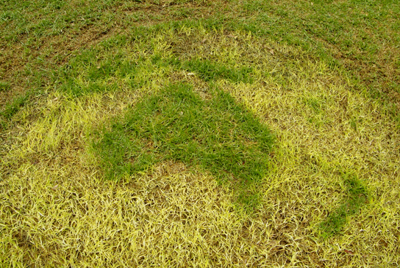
11	109
356	198
4	86
216	135
177	100
209	71
365	43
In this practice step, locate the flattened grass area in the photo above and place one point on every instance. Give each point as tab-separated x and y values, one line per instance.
179	114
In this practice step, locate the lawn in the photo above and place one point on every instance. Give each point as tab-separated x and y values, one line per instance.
199	133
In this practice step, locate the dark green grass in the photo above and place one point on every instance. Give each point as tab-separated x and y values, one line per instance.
208	71
14	107
11	109
4	86
87	73
356	198
37	18
360	38
217	135
96	74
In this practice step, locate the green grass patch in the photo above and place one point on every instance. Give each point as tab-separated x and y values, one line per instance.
88	73
14	106
356	198
209	71
217	135
11	109
4	86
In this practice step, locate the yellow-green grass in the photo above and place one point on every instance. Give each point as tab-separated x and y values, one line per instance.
58	210
357	37
215	135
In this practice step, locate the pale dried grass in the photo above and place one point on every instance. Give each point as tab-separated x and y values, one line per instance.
56	210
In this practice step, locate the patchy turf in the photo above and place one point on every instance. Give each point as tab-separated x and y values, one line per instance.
356	197
215	135
327	194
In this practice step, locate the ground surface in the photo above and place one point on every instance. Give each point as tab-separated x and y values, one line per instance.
199	133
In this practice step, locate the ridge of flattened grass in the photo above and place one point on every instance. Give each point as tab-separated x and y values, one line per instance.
217	135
